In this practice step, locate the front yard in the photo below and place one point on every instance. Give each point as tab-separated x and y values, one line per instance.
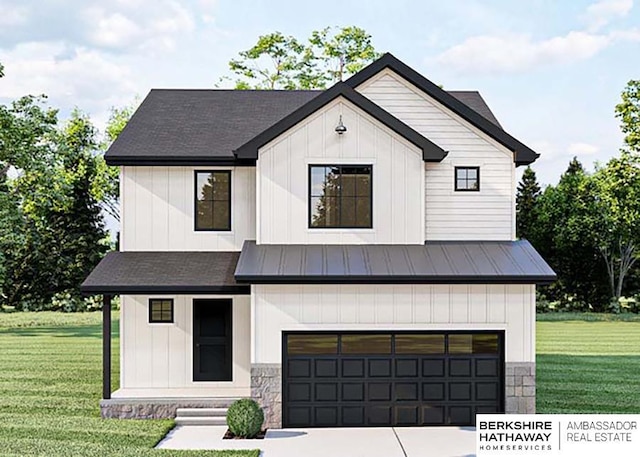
50	376
589	365
50	383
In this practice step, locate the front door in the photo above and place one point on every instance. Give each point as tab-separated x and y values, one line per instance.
212	355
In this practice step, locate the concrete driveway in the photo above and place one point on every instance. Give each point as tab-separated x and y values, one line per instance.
336	442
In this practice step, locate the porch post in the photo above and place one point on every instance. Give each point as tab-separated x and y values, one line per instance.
106	347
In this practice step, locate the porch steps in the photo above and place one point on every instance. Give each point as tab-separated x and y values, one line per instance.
201	416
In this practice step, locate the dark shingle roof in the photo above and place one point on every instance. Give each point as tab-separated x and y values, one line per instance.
205	126
436	262
165	272
474	100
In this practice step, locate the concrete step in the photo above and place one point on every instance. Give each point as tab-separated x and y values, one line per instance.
201	412
201	420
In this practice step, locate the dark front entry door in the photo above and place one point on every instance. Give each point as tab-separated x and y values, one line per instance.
368	379
212	340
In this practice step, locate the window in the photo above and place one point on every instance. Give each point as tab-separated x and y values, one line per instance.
213	201
467	179
160	310
340	196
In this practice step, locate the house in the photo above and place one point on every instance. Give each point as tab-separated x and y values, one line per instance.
346	257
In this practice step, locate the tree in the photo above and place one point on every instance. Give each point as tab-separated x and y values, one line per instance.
105	187
277	61
628	111
527	197
615	223
64	231
343	52
563	236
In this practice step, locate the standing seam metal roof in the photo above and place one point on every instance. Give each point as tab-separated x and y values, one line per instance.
442	262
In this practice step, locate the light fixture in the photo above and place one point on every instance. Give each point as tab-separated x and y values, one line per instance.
340	128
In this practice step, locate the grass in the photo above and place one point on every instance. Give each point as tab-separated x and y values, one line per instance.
50	385
588	317
588	363
50	374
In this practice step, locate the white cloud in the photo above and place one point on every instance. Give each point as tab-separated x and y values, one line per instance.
582	149
603	12
514	53
111	30
12	15
121	26
86	78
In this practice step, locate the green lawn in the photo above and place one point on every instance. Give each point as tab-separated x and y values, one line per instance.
50	385
588	366
50	374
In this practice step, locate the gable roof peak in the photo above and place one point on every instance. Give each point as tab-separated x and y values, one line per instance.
522	154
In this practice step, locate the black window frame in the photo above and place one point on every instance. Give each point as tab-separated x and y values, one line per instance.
195	201
309	196
455	179
161	321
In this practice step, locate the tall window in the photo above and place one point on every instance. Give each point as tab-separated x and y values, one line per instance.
213	200
467	179
340	196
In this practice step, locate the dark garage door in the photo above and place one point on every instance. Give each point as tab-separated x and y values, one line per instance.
369	379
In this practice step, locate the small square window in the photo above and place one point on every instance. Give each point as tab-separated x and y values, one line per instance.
467	179
160	310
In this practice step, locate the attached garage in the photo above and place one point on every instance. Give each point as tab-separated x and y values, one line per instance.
403	378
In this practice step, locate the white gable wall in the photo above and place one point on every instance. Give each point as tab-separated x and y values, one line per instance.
485	215
283	179
157	210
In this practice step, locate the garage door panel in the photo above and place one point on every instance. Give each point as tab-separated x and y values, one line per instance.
299	392
433	368
486	367
406	368
433	414
380	368
407	415
433	391
460	367
461	415
379	391
487	391
406	391
326	416
353	391
299	368
299	416
379	415
326	368
460	391
353	415
393	384
353	368
326	392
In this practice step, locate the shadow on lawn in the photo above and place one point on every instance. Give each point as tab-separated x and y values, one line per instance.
72	331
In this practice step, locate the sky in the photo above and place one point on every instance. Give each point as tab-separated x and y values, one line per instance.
552	71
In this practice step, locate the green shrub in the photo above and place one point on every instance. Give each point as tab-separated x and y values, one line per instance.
245	418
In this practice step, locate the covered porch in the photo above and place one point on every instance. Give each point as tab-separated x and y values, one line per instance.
183	316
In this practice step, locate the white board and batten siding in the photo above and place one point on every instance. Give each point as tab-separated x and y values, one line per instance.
485	215
157	210
397	177
278	308
159	356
